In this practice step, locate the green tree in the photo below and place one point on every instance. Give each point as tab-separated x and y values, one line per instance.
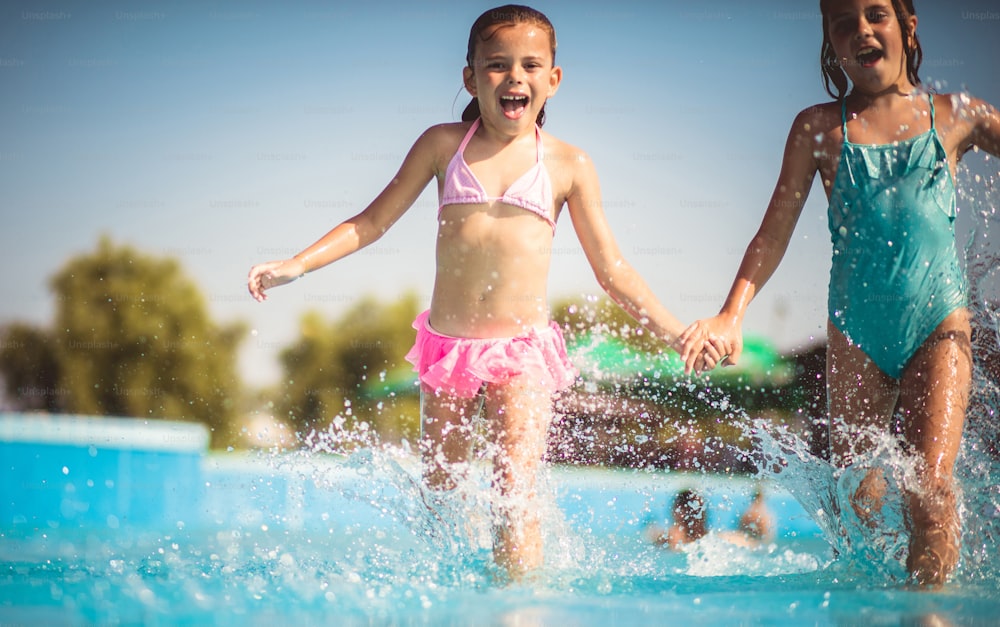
352	368
30	368
133	338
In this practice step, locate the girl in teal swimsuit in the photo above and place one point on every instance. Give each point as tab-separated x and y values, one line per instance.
899	333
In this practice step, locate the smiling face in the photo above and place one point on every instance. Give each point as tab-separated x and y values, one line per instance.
871	43
512	72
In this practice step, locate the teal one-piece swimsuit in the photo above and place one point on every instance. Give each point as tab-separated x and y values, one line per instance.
896	273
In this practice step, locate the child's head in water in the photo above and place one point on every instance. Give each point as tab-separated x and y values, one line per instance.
690	512
485	30
894	41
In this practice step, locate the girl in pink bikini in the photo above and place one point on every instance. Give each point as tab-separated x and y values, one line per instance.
487	343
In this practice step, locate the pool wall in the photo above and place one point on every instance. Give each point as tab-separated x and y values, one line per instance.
82	471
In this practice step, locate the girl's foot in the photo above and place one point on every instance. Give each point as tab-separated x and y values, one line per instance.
867	500
934	538
933	555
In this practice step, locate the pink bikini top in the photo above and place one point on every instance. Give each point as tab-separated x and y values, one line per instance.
531	192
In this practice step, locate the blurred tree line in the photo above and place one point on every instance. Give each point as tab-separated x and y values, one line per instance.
132	336
353	369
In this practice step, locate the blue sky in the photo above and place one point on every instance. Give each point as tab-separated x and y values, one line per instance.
227	133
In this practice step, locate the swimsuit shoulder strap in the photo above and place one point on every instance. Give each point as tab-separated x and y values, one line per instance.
930	98
843	116
539	147
468	136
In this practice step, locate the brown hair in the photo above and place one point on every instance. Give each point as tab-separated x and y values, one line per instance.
507	15
693	513
834	75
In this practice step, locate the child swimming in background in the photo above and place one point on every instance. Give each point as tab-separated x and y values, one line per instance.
899	330
487	341
757	522
688	522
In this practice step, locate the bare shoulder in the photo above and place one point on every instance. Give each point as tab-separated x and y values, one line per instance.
446	135
962	107
559	153
815	137
567	164
439	142
819	118
965	120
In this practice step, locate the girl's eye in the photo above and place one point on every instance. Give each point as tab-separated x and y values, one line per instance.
877	16
841	26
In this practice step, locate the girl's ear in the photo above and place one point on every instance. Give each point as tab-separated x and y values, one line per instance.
469	80
912	33
555	77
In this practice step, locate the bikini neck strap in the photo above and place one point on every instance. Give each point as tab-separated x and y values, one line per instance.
539	149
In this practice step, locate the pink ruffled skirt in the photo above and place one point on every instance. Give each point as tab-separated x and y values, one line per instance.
460	365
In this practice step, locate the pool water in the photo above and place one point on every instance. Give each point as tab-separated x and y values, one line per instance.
313	538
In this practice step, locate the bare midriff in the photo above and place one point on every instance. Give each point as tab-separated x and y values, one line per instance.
492	271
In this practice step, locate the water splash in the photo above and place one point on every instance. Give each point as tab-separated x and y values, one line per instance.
978	463
452	530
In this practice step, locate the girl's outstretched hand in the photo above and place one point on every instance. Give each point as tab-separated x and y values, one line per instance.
707	343
264	276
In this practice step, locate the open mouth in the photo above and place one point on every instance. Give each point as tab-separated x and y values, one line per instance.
867	57
513	106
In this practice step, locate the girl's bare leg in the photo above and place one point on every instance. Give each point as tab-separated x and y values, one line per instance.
934	396
861	399
519	415
445	436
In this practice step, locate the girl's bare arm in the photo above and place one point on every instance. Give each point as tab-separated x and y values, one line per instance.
614	274
766	249
417	170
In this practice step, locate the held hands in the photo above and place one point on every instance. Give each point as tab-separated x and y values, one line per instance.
707	343
264	276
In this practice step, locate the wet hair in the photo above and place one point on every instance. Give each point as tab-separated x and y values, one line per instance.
482	30
834	75
693	513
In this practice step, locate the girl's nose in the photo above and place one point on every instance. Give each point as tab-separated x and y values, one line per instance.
863	28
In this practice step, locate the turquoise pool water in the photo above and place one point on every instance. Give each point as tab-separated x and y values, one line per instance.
107	522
